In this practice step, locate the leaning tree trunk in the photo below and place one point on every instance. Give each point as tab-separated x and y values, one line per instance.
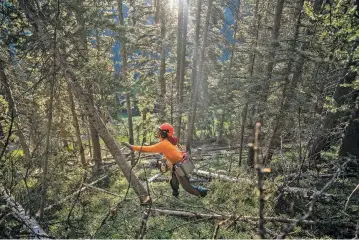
194	82
110	142
13	109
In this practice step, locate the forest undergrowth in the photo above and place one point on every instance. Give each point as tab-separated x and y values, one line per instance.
109	209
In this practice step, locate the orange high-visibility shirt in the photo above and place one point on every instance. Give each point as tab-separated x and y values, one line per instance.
171	152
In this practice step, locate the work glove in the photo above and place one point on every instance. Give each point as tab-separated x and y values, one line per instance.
127	145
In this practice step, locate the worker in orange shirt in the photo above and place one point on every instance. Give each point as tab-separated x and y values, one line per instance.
167	146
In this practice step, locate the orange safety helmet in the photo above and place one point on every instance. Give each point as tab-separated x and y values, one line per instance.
167	129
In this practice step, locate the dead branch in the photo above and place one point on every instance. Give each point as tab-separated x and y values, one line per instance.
101	190
311	206
346	204
220	176
20	214
65	199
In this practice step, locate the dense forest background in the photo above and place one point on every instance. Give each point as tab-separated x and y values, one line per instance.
79	77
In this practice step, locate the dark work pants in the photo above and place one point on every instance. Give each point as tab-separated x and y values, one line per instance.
176	180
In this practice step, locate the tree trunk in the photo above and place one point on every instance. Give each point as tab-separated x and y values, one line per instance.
182	68
157	4
44	181
125	75
262	103
179	43
96	147
350	142
162	80
110	142
342	95
194	82
199	74
288	89
76	126
251	71
13	109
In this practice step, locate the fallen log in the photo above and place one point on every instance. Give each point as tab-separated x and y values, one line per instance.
188	214
219	176
20	214
167	179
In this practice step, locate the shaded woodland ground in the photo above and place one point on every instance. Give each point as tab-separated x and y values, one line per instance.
79	77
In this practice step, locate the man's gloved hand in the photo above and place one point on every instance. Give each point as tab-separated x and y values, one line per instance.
127	145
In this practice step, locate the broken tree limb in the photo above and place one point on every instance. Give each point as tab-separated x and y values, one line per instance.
20	214
65	199
187	214
219	176
101	190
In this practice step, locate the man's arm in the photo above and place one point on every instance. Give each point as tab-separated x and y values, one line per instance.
156	148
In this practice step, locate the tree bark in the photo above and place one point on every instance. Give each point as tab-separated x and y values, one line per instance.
76	125
110	142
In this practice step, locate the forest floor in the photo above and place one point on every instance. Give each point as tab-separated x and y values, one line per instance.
109	209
